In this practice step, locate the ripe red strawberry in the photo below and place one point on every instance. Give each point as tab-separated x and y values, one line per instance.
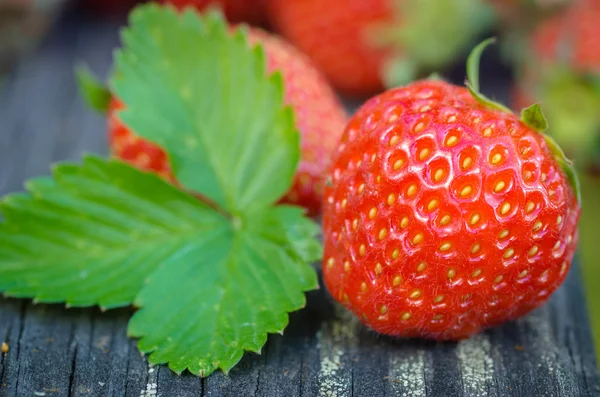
563	72
320	118
446	214
363	46
250	11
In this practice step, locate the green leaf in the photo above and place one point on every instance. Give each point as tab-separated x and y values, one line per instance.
202	93
92	234
589	251
534	117
222	296
210	287
593	80
96	95
212	273
473	76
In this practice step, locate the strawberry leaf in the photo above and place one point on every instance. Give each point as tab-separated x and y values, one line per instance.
223	295
212	273
201	92
91	234
210	287
96	95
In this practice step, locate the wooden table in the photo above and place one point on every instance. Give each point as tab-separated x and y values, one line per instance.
59	352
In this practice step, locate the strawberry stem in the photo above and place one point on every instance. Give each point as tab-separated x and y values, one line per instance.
473	63
472	82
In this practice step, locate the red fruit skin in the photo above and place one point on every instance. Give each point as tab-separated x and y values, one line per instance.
320	119
333	35
236	11
444	217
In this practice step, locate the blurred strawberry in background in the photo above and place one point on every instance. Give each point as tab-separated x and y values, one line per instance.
516	19
562	70
364	46
250	11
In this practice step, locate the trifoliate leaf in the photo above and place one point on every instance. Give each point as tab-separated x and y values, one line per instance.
222	296
213	273
198	89
96	95
92	234
211	286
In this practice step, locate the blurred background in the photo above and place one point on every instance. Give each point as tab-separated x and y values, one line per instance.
548	51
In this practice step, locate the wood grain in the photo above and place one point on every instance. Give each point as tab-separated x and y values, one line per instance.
324	352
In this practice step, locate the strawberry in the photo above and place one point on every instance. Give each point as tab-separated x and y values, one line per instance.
250	11
445	213
363	46
320	118
562	70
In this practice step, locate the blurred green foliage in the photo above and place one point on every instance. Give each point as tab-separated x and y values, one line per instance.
590	250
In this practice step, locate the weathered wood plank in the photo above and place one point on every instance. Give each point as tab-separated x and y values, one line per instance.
324	352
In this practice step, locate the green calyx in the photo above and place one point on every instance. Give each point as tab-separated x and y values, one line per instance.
565	164
531	116
95	94
535	118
